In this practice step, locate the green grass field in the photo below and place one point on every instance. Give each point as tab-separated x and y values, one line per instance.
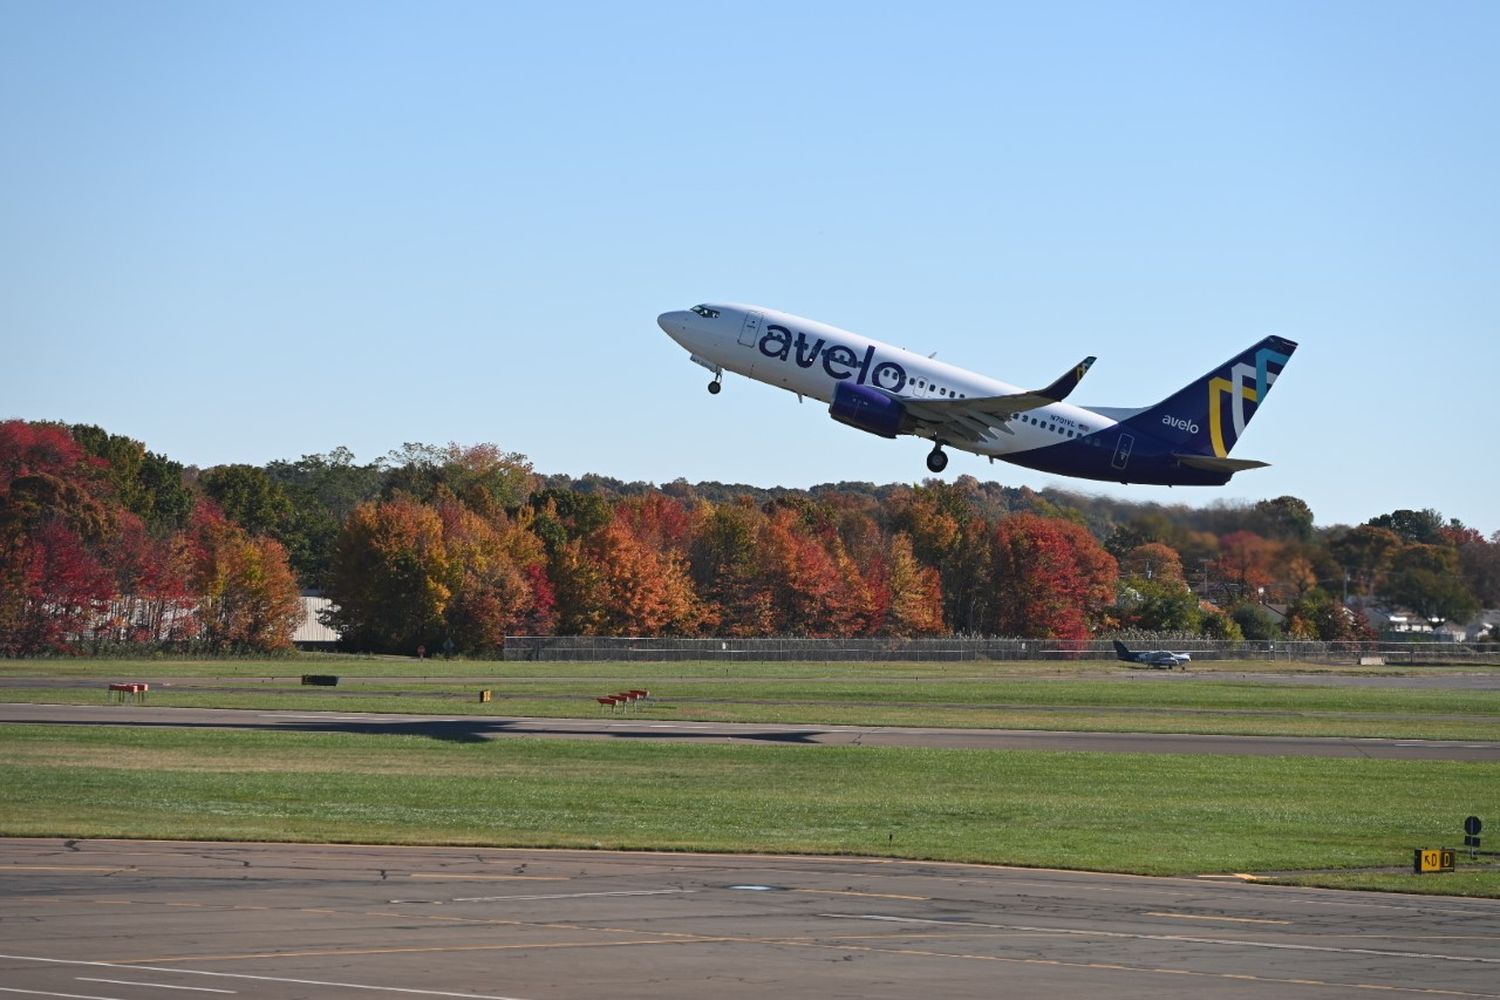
1117	812
1136	813
1091	696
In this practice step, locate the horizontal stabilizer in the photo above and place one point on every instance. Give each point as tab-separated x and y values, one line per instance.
1213	463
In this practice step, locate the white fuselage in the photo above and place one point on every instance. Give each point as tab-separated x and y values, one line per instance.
811	358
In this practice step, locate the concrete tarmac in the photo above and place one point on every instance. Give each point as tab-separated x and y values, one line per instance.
473	727
120	920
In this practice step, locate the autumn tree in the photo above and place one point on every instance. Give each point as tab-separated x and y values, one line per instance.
1052	579
614	583
914	605
492	568
726	566
1479	559
248	597
1244	565
55	518
389	577
1318	615
815	588
153	599
1153	561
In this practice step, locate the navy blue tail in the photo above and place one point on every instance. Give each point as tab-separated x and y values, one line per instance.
1208	416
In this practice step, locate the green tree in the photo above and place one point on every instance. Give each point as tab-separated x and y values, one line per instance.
147	484
1426	579
482	477
1157	605
1285	519
1255	622
1420	527
1365	554
249	497
322	491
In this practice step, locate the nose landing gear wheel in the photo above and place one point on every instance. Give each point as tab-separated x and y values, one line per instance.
936	460
714	387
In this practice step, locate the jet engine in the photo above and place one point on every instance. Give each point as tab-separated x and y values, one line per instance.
867	408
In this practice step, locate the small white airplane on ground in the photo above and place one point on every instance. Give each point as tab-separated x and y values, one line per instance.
1182	441
1152	657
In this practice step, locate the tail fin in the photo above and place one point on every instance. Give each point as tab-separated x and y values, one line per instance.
1208	416
1121	652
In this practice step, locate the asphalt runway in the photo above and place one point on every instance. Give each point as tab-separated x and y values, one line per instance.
475	727
120	920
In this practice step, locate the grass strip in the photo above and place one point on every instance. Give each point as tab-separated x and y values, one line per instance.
1082	705
1111	812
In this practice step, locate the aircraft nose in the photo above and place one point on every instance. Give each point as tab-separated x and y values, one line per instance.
673	323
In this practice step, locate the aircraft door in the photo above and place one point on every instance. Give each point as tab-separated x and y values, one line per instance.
1122	451
750	332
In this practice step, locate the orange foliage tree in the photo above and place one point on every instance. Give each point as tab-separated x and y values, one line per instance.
247	593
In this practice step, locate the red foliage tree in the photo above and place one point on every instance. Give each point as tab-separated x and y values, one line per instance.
54	517
1052	579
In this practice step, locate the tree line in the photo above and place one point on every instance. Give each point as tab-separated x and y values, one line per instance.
454	547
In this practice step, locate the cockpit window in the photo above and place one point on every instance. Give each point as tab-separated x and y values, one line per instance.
706	312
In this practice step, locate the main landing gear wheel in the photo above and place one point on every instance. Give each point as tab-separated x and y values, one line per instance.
714	387
936	460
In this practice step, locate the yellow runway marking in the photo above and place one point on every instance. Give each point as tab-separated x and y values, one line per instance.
1200	916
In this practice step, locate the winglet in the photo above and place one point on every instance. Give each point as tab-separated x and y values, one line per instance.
1058	391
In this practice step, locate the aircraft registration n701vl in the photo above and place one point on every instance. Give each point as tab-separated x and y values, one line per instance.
1184	440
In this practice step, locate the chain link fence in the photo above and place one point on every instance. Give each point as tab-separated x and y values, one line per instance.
585	648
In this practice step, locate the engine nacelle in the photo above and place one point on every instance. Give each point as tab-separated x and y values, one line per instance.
867	408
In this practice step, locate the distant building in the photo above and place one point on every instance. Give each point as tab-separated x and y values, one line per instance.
1481	626
312	633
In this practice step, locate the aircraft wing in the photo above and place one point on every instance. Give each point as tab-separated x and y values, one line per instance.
972	419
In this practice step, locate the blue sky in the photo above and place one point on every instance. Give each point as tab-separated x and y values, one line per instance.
241	232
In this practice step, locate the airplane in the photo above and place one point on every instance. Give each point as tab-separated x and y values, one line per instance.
1153	657
1184	440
